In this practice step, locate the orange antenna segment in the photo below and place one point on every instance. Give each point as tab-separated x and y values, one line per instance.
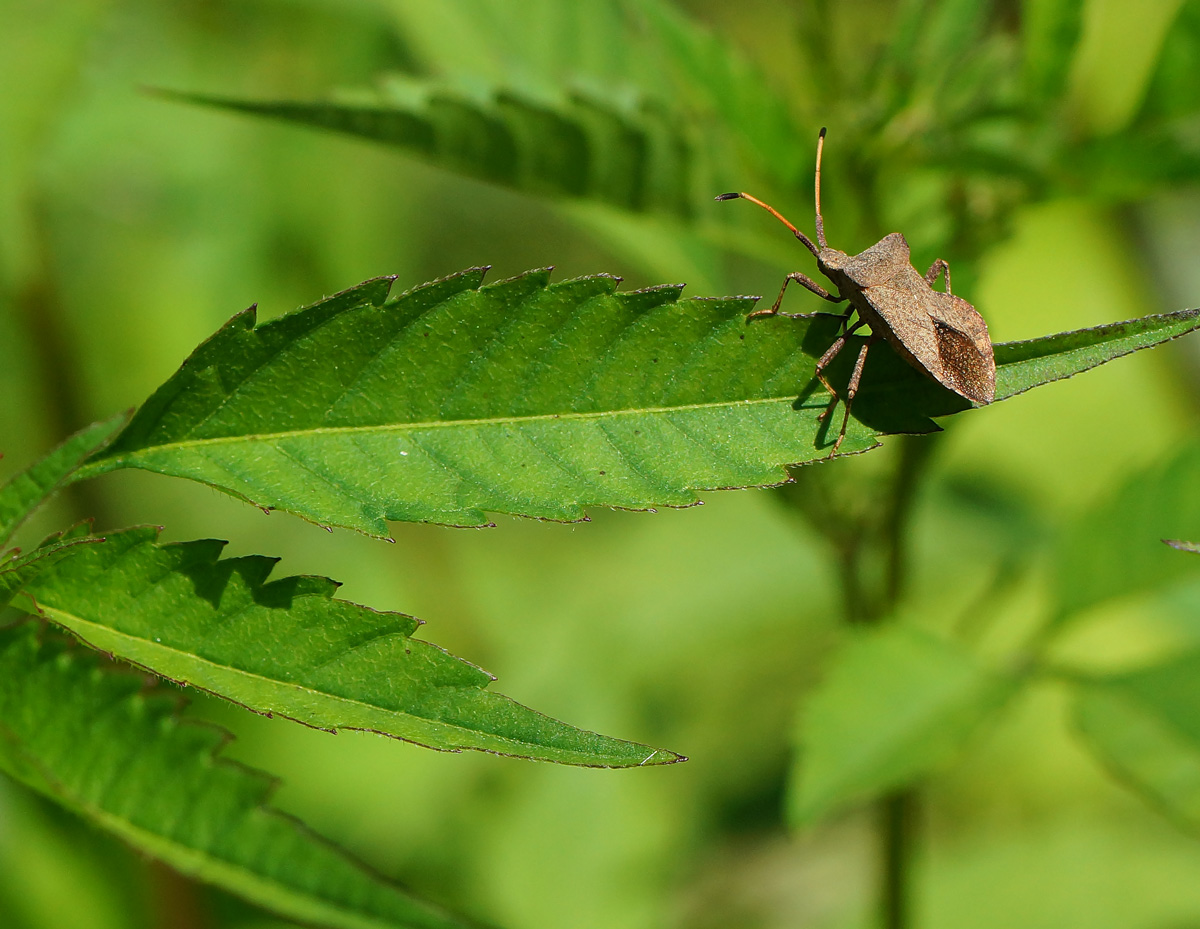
820	221
774	212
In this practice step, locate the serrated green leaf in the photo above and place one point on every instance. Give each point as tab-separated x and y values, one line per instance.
454	400
97	743
562	66
1114	549
635	157
1145	727
632	159
288	648
26	491
535	399
895	704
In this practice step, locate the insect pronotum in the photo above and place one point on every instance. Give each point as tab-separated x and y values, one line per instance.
939	334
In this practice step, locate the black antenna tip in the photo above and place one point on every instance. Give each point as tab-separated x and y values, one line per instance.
726	196
821	134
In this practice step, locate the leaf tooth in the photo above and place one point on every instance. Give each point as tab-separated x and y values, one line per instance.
374	291
440	289
650	298
577	289
616	279
527	282
301	585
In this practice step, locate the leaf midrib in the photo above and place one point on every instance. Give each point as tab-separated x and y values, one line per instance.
445	423
68	619
101	464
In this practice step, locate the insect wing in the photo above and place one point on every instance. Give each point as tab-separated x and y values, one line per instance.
964	346
936	332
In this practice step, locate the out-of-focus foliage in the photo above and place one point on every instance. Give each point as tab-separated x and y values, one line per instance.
131	225
945	115
1144	726
1099	556
894	704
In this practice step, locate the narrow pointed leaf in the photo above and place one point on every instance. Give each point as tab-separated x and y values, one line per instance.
1021	366
24	492
636	157
634	161
895	704
97	743
1145	727
535	399
287	647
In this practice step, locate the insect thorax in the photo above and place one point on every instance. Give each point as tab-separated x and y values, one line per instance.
875	265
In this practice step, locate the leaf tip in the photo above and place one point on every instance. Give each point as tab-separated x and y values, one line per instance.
661	756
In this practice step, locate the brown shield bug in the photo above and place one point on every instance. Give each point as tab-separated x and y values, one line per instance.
939	334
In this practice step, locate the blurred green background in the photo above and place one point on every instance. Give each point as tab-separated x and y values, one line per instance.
132	226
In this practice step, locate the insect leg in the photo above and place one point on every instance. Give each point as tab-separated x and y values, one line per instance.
851	390
935	269
807	282
826	360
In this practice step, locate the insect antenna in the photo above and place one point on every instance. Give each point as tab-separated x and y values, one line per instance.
817	184
774	212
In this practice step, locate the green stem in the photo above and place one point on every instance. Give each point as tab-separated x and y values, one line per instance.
897	815
897	810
